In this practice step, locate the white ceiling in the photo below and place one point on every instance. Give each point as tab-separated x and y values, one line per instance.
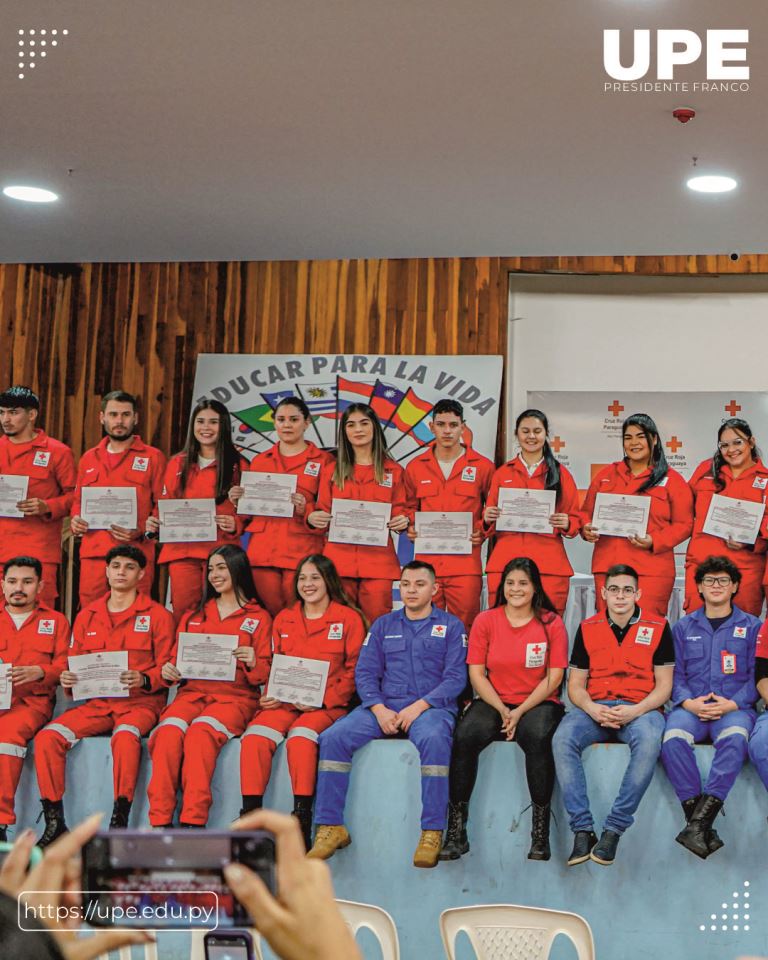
271	129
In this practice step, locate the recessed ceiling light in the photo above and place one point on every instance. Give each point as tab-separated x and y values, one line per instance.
31	194
712	184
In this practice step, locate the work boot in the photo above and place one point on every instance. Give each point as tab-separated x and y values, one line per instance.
583	841
53	811
251	801
328	839
539	832
120	812
191	826
428	848
696	835
456	843
713	838
302	810
604	851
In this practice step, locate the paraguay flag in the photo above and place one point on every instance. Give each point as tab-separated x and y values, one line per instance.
351	391
385	400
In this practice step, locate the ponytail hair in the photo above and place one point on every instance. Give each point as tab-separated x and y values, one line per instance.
552	478
718	461
659	466
541	605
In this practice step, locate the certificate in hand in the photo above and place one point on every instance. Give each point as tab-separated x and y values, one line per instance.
443	532
99	674
363	522
6	686
620	515
12	490
206	656
298	680
526	511
267	494
100	507
187	521
733	519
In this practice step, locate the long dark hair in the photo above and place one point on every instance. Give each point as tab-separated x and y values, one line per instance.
541	602
718	461
552	479
227	458
345	457
659	466
297	402
327	570
239	567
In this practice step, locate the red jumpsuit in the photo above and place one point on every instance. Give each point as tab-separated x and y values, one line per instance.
545	549
140	466
460	578
367	572
50	466
669	524
752	484
336	637
188	562
186	743
278	543
41	641
145	630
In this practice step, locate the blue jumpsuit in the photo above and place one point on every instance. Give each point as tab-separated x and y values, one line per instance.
723	663
401	661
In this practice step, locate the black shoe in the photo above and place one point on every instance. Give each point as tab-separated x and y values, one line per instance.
302	810
120	812
714	842
3	834
53	811
583	841
456	843
604	851
689	806
191	826
251	801
539	832
698	834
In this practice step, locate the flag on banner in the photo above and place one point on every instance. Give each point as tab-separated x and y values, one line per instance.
351	391
259	418
411	411
385	400
274	398
320	398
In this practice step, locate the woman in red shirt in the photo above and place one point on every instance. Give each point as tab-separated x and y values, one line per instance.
643	472
518	652
737	471
363	471
321	625
278	543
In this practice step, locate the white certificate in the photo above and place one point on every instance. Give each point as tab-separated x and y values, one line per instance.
443	532
187	521
733	519
99	674
6	686
525	511
363	522
100	507
267	494
12	490
296	680
206	656
620	515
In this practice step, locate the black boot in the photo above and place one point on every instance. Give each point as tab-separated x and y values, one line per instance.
713	838
689	806
53	811
696	836
3	834
456	843
302	810
120	813
539	832
191	826
251	801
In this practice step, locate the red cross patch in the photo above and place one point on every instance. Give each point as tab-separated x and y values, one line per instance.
41	458
644	636
387	481
535	654
250	625
760	483
438	630
45	626
141	624
336	631
740	632
312	468
140	463
469	474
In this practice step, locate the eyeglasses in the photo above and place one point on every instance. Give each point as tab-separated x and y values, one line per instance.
716	581
621	591
736	444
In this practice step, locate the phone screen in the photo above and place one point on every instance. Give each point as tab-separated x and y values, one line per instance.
225	948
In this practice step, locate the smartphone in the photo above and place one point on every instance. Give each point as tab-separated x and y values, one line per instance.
170	878
228	945
35	856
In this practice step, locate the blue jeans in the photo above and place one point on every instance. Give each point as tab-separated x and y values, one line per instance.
577	730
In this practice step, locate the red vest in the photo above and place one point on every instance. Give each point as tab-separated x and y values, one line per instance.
621	671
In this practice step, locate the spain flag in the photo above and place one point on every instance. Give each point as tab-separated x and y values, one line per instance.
412	410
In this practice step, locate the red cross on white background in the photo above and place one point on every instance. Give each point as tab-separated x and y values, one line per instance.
615	408
674	444
537	649
732	408
557	444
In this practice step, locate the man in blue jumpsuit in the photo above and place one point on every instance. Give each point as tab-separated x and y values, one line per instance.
410	671
713	698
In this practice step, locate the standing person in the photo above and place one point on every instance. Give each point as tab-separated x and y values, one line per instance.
25	450
363	471
34	639
321	625
205	714
737	471
278	543
122	619
518	652
409	674
620	678
122	459
206	468
535	468
643	472
713	699
451	477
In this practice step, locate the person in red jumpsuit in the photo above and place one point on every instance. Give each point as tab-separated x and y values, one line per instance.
534	468
278	543
207	467
121	620
363	471
450	477
736	471
321	625
33	643
643	472
48	464
122	459
206	713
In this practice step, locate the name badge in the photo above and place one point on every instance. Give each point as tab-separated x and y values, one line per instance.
760	483
387	481
336	631
45	626
535	654
438	630
250	624
728	661
469	474
312	469
41	458
740	632
644	636
140	463
141	624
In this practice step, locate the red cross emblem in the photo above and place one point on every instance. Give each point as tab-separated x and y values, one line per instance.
615	408
557	444
674	444
537	649
141	624
439	630
732	408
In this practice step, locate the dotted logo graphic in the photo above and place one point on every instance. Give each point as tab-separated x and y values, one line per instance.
739	919
34	45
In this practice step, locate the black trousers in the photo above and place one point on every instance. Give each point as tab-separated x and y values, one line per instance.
481	725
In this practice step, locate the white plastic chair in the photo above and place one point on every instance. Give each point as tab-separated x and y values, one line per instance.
197	947
510	932
378	921
124	953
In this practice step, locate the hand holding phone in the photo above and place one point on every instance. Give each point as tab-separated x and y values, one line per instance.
228	945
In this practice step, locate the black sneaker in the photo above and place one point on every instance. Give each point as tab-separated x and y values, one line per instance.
604	852
583	841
